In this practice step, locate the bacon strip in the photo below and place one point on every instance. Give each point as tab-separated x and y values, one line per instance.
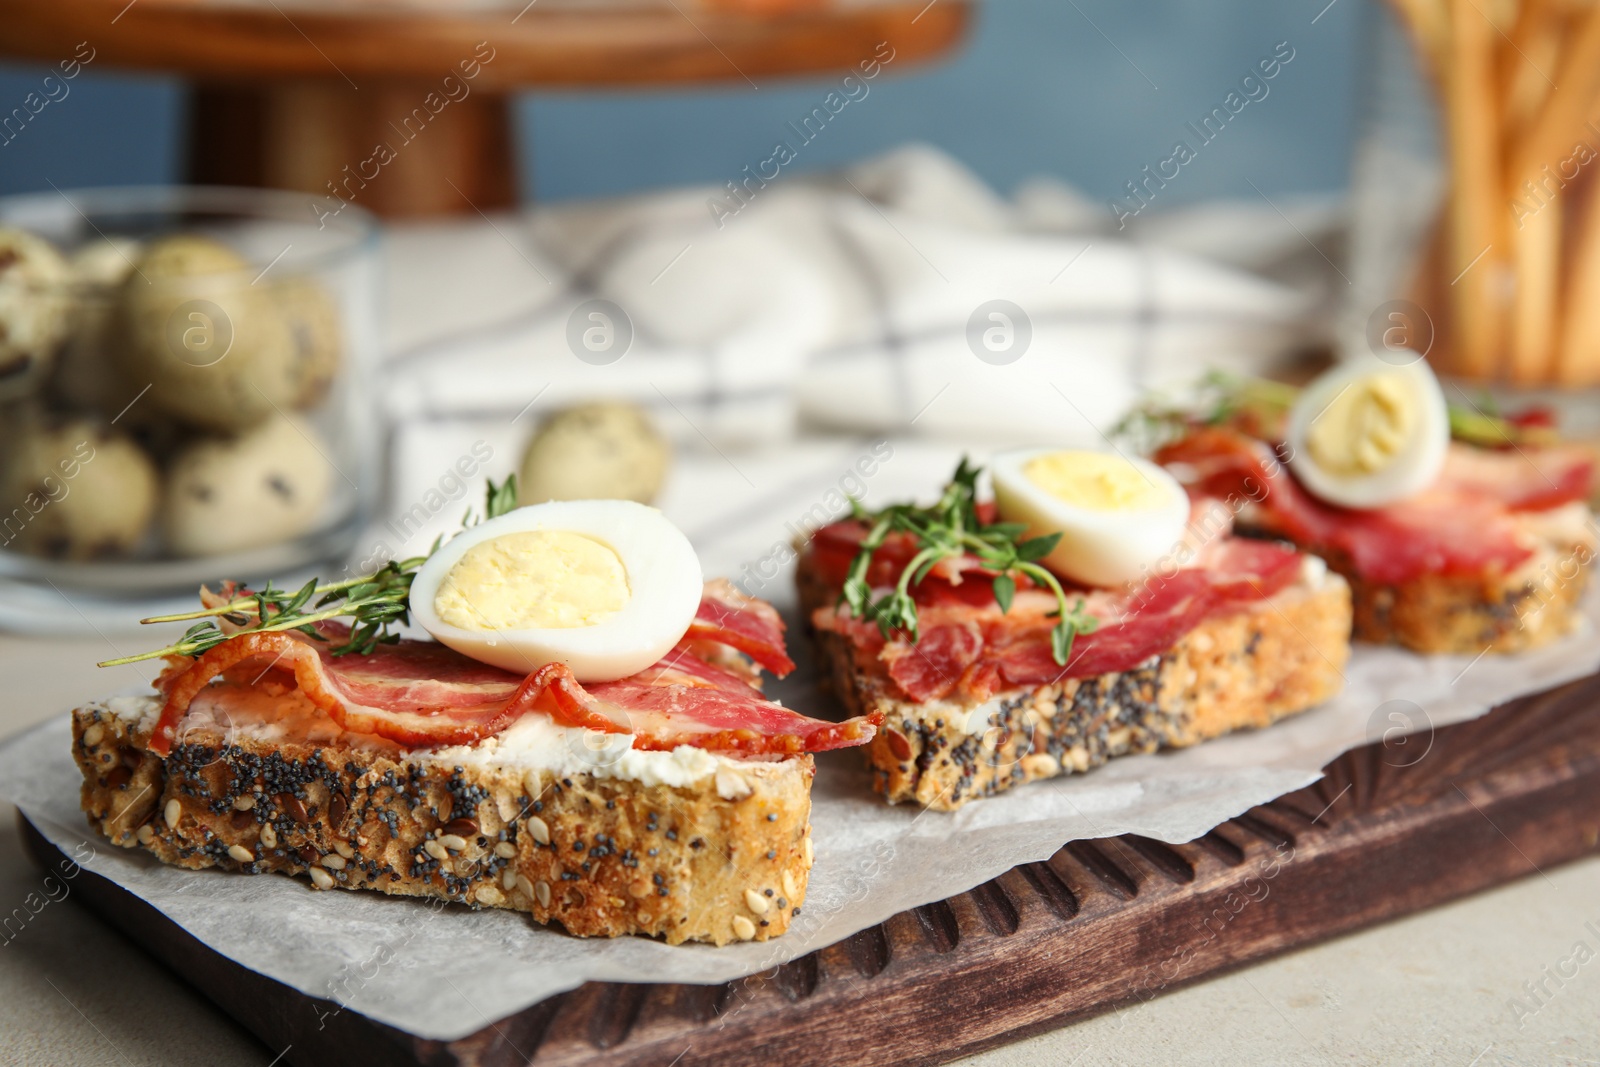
421	694
728	617
1463	525
969	647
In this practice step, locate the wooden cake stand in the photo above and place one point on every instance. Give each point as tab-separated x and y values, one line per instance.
288	93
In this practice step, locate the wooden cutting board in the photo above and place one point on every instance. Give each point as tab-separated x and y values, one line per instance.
1388	831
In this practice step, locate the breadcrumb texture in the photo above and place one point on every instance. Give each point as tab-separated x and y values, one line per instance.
724	860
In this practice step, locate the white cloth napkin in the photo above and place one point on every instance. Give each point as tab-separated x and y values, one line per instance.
861	300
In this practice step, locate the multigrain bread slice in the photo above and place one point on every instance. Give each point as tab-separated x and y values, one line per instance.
1495	611
682	845
1485	503
1246	669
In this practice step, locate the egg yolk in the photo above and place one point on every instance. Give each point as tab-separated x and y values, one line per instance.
1365	427
1094	480
536	580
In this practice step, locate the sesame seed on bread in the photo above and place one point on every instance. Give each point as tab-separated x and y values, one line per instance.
1532	605
1248	668
719	853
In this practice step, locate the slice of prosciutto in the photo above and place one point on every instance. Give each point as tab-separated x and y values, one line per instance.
728	617
1148	620
414	692
968	648
1465	524
683	700
422	694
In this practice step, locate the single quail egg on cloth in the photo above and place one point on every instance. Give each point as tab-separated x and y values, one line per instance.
1368	433
594	451
605	586
1117	516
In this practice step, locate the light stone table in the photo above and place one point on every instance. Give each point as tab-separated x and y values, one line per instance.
1434	988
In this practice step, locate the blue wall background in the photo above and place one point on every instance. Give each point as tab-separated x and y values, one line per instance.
1087	90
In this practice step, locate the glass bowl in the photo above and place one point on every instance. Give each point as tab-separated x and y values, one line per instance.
185	387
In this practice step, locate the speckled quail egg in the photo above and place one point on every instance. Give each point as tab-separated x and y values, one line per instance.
1368	432
211	344
33	310
104	260
88	373
79	490
605	586
263	486
316	339
594	451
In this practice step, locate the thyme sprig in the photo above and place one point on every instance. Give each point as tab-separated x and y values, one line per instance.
1259	405
1484	426
949	529
375	602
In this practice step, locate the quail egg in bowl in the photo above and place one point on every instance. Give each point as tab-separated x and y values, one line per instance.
1117	516
605	586
1368	433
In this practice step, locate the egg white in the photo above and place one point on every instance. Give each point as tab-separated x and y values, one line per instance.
664	582
1099	548
1419	461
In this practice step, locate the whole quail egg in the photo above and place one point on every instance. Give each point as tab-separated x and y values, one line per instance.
78	490
33	310
88	375
316	343
211	344
104	261
594	451
265	485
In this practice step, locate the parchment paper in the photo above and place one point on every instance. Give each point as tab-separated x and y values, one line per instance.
444	971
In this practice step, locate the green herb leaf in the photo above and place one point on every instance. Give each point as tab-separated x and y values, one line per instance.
1068	628
302	597
502	498
1005	588
1008	530
950	529
1061	638
1037	548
